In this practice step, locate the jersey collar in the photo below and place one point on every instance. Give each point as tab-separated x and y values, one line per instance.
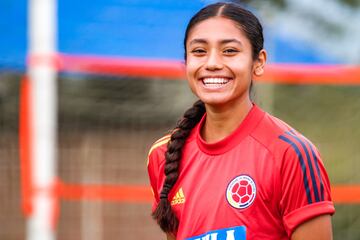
246	127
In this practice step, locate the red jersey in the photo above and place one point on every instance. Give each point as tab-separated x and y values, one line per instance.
260	182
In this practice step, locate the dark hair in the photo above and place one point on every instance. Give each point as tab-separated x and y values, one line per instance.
251	26
163	214
246	21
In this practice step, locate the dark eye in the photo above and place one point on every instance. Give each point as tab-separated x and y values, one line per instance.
198	51
230	51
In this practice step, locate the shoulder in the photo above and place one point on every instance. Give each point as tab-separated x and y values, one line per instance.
292	151
278	136
158	149
160	143
156	154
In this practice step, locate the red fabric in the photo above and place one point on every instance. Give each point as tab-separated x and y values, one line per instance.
254	150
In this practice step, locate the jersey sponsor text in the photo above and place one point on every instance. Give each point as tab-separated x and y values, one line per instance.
234	233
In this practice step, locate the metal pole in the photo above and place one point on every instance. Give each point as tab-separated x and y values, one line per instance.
42	75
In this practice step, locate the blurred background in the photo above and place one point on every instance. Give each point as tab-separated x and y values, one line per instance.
120	88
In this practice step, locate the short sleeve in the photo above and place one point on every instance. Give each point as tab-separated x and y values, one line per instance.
153	176
155	167
305	186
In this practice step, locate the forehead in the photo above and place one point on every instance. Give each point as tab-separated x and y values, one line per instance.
216	29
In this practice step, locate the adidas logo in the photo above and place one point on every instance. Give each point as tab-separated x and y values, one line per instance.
179	197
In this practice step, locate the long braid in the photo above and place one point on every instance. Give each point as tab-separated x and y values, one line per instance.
164	214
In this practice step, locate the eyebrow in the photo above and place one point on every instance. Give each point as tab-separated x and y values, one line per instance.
224	41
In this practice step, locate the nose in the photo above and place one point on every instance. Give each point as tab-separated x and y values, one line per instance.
214	61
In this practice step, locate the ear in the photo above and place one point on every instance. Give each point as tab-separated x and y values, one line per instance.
259	63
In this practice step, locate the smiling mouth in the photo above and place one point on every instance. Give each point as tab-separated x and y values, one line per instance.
215	82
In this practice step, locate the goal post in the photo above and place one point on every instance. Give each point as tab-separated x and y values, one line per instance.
41	74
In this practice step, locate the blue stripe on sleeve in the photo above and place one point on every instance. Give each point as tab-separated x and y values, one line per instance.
312	173
318	171
302	164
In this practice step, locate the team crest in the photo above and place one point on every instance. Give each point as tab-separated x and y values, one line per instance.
241	192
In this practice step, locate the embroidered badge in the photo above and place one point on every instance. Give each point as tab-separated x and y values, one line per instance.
241	192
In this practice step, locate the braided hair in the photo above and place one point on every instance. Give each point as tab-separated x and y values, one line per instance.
163	213
250	25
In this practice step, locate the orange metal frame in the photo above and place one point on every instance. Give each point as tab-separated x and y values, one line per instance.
161	69
171	69
341	194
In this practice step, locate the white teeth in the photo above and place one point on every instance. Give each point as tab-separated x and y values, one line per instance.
215	81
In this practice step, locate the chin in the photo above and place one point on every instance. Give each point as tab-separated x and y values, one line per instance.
214	101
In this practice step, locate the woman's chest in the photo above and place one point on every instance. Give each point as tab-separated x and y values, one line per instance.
228	190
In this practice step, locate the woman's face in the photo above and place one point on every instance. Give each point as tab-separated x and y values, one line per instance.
219	64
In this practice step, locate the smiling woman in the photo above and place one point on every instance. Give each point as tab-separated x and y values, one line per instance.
220	65
219	68
229	170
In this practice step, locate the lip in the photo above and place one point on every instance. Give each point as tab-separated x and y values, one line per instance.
214	76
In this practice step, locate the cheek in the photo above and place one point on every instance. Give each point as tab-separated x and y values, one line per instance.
242	67
192	86
190	76
190	68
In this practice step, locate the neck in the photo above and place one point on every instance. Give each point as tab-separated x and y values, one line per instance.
222	121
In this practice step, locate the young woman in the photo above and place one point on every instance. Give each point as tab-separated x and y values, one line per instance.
230	171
